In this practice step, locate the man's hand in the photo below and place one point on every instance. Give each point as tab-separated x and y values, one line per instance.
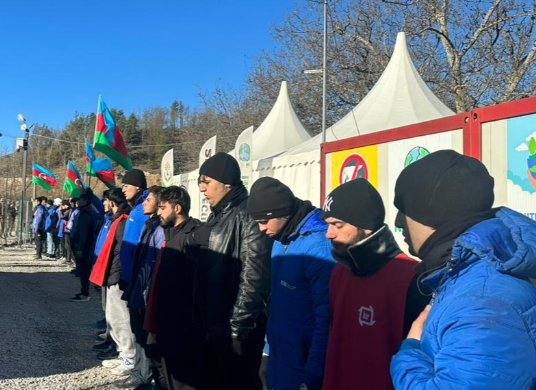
418	325
237	347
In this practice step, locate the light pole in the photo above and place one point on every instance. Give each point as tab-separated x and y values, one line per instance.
26	130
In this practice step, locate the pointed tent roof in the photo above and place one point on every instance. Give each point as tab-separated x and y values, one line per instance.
280	131
399	98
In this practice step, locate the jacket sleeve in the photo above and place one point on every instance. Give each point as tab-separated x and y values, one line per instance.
254	288
483	345
318	268
85	233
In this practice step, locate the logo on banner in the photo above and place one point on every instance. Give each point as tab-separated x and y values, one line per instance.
353	167
167	172
415	154
244	153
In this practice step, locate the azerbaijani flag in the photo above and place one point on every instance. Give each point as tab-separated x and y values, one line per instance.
90	158
108	139
74	184
43	177
104	170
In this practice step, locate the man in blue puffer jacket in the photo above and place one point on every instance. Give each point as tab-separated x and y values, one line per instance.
480	330
38	226
298	324
134	187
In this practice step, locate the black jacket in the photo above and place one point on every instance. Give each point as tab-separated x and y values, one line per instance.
84	235
233	285
113	272
174	285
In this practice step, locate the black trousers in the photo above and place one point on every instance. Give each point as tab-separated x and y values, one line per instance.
40	242
56	241
223	369
69	254
83	268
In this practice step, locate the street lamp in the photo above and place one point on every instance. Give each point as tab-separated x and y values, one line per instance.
26	130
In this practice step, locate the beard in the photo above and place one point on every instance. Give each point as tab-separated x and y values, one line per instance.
169	221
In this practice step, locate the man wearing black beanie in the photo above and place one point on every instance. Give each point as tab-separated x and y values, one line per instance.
478	332
373	293
301	269
234	281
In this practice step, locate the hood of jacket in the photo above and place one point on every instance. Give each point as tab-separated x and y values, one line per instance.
506	243
310	224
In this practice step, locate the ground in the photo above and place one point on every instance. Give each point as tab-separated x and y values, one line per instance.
46	339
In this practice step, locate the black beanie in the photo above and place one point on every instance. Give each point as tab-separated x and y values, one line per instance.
443	186
136	178
223	168
269	198
356	202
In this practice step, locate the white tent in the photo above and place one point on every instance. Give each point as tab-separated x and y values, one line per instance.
400	97
280	130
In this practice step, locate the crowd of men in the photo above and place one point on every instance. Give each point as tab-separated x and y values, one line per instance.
327	293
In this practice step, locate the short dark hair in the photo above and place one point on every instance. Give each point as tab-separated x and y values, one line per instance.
116	195
105	195
155	190
44	198
50	202
84	196
176	196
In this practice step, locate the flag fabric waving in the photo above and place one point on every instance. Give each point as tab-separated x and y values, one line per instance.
104	170
43	177
90	158
74	184
108	139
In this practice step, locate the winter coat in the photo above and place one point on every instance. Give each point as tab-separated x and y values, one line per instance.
71	224
236	288
299	319
370	299
38	223
83	238
52	219
481	330
147	251
174	286
113	272
133	227
103	232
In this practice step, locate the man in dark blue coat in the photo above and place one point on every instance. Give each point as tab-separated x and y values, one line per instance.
38	226
302	263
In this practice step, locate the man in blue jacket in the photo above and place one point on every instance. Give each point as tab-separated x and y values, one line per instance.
38	226
134	187
302	263
480	330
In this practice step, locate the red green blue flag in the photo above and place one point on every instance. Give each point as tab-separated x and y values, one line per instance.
43	177
108	139
104	170
90	157
74	184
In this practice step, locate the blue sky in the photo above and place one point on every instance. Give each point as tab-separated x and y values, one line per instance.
57	56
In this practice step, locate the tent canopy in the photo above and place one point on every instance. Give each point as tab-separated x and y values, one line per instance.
280	130
399	98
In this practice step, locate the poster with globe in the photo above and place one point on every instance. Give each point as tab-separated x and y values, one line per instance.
243	147
521	165
400	154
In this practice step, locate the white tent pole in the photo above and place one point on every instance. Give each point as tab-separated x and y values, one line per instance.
324	71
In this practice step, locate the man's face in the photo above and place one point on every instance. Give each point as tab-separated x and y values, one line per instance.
130	191
107	207
150	204
213	190
168	214
272	227
82	202
343	235
415	233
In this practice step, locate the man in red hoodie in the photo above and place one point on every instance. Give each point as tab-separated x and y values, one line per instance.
373	295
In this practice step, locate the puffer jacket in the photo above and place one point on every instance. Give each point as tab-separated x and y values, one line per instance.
481	330
52	219
101	237
38	222
299	320
133	227
237	269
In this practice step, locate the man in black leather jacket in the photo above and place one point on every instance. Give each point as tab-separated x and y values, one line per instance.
233	280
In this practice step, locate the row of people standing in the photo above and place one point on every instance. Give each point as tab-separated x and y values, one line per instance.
189	304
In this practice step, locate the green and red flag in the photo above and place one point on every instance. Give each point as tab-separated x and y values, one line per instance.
74	184
108	139
43	177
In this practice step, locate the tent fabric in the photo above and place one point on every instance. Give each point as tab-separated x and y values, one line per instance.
399	98
280	130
